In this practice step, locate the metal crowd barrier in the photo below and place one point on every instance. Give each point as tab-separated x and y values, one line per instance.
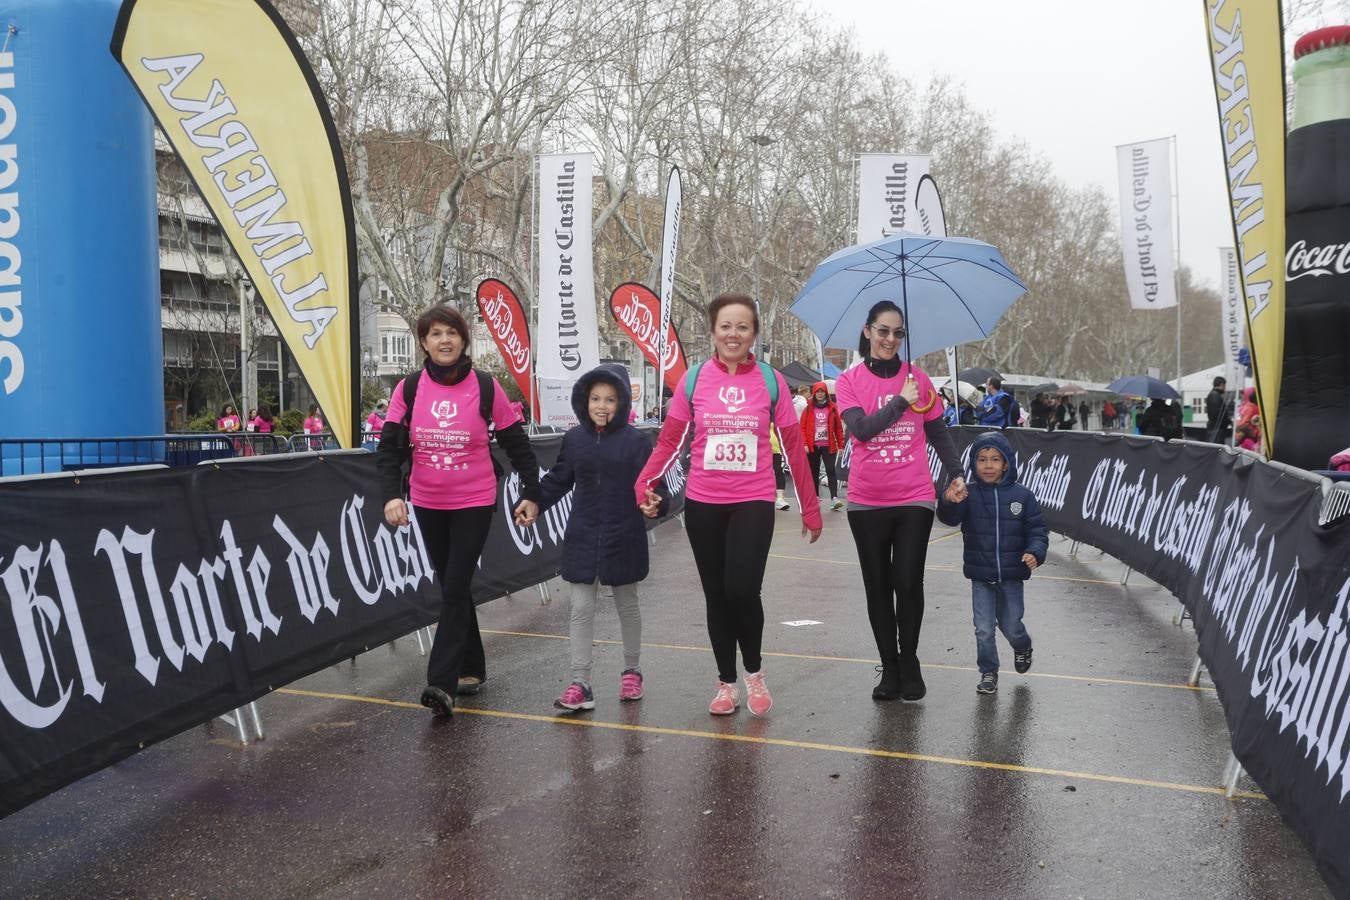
38	456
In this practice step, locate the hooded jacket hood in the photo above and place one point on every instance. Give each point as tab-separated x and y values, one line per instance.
1000	443
820	386
612	374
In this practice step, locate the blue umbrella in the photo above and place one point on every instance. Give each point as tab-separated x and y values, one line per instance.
830	370
951	290
1143	386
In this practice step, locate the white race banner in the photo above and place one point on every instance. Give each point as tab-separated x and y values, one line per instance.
889	194
567	344
1234	318
1146	223
670	244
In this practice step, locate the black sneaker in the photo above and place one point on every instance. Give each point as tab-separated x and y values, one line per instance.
988	683
1022	660
441	704
889	686
469	685
911	679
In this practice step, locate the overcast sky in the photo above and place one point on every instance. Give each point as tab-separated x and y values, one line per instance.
1072	79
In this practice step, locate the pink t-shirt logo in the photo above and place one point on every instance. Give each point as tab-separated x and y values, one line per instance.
443	411
733	398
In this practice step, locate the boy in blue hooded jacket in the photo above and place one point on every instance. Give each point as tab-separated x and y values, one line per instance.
606	538
1005	539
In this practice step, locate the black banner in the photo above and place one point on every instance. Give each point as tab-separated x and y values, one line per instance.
144	603
1238	541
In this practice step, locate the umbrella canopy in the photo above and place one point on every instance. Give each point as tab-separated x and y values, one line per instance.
1143	386
1070	390
951	290
830	370
1048	387
977	376
798	375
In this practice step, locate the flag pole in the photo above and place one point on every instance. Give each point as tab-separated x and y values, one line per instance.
1176	268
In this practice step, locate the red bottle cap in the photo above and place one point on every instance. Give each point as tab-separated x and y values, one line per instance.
1321	39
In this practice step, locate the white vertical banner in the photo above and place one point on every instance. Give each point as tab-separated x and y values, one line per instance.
951	367
670	245
1145	174
1234	318
568	340
888	191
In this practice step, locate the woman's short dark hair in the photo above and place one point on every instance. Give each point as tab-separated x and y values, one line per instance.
881	306
443	315
227	409
265	412
721	301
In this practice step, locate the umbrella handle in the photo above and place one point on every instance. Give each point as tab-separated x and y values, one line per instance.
925	407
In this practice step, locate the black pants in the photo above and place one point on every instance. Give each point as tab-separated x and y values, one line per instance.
892	548
779	476
731	546
454	539
814	457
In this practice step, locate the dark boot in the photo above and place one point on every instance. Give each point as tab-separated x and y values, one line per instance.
889	686
911	679
439	701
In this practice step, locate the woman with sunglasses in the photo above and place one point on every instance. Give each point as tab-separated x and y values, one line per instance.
892	415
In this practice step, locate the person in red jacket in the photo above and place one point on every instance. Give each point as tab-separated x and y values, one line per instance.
823	435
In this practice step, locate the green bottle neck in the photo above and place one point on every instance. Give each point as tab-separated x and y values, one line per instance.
1321	87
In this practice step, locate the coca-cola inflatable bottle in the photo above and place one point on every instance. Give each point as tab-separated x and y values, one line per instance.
1314	417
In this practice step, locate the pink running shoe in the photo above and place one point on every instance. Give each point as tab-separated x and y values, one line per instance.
757	694
726	700
576	696
630	685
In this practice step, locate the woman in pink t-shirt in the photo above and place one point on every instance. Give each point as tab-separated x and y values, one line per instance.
892	415
375	421
262	423
229	419
728	512
452	487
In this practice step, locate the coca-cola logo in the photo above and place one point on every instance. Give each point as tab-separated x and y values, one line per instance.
634	312
501	320
1329	259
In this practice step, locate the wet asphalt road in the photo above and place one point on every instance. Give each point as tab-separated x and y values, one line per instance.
1097	774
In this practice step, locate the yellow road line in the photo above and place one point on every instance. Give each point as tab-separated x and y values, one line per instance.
796	745
939	568
871	662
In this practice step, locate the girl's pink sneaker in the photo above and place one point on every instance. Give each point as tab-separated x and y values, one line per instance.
725	701
630	685
757	694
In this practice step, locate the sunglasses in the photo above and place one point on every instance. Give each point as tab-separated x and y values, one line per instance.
887	333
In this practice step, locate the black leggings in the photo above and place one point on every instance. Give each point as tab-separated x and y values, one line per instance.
731	547
892	548
814	457
454	539
779	476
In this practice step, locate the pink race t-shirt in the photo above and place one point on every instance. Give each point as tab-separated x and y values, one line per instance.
731	455
375	421
313	425
261	425
892	468
227	423
451	464
822	429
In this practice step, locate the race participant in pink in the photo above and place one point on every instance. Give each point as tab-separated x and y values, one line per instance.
375	421
452	487
728	514
263	421
891	501
314	423
229	419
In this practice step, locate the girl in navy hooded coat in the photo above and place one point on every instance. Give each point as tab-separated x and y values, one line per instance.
606	539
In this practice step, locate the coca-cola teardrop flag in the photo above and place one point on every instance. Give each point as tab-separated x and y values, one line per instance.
506	321
638	311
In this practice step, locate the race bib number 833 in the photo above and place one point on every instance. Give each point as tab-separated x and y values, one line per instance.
731	452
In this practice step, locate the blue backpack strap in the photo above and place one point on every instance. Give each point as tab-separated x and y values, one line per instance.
770	382
690	379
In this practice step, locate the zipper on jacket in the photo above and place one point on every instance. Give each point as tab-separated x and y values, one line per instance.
998	537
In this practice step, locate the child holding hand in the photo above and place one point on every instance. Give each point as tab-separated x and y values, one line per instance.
606	539
1005	540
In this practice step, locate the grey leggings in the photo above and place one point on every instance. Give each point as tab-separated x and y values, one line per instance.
583	626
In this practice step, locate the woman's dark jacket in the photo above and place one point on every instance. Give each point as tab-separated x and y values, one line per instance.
999	522
606	535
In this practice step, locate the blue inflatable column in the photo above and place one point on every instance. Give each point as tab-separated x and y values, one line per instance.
80	347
